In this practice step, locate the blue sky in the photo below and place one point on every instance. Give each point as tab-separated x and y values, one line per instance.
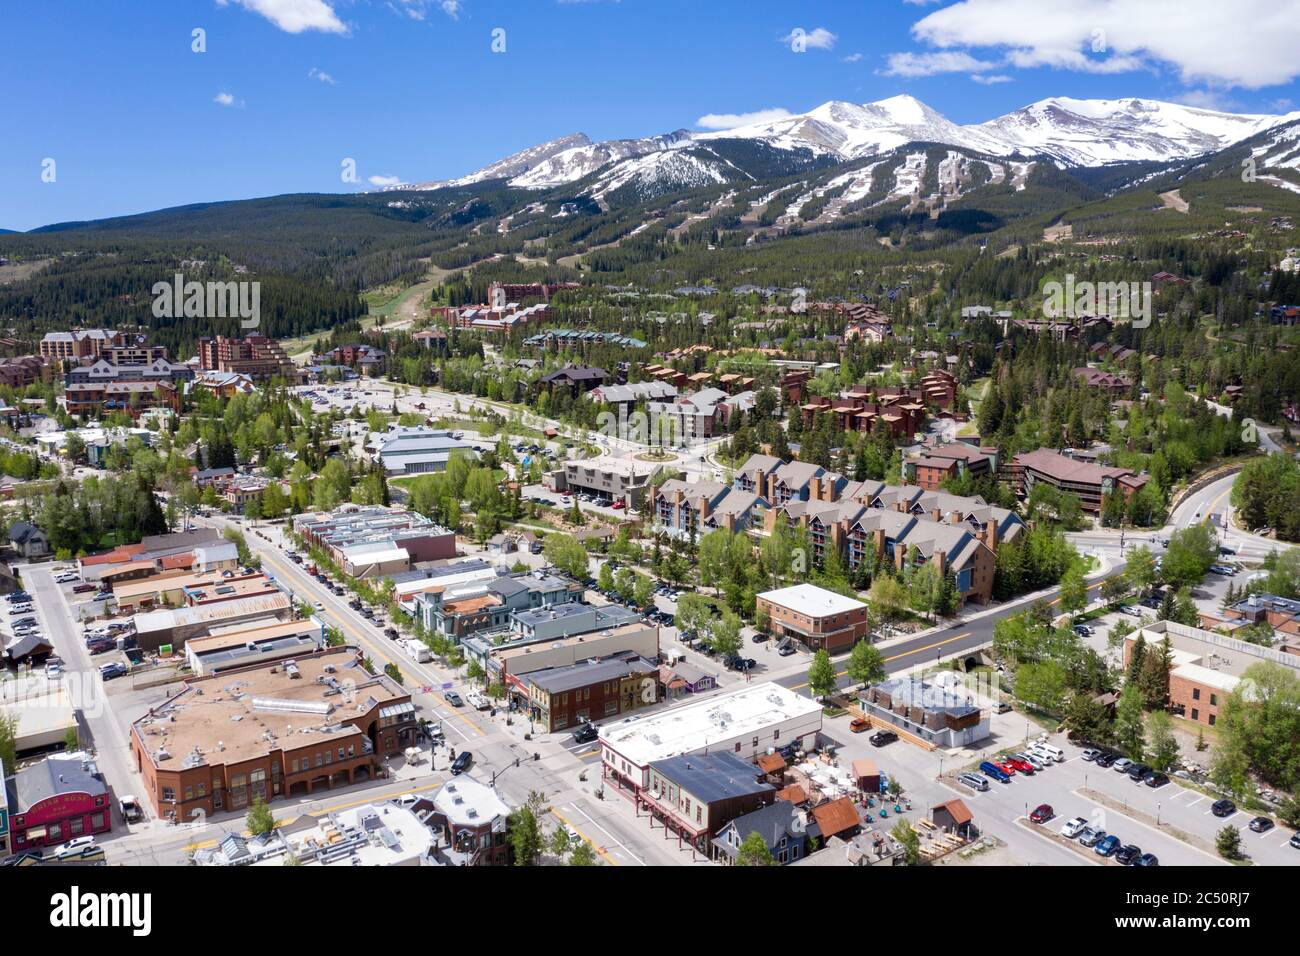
135	120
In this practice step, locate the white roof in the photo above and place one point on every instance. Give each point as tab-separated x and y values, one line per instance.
812	601
466	802
1207	676
743	712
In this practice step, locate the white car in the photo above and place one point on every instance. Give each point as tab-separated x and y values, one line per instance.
74	846
1074	827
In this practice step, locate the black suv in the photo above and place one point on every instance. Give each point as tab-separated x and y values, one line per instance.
464	760
1223	808
1137	771
585	734
1128	855
882	737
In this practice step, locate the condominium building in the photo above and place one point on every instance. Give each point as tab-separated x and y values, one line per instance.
256	356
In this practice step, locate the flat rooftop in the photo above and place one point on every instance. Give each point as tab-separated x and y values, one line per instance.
694	726
229	718
812	601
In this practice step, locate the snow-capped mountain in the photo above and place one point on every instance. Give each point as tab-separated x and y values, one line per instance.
1071	132
1096	132
517	164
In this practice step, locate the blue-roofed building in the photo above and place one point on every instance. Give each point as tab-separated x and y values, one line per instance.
415	451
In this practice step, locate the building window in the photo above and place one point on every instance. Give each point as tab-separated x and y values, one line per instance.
1195	713
1214	700
1196	693
169	794
1211	720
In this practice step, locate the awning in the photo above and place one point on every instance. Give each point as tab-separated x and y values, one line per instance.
397	710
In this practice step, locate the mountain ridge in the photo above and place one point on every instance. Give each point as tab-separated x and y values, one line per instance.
1064	130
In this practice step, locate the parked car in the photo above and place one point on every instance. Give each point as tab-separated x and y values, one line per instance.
1138	771
1261	824
1106	758
83	588
391	633
882	737
478	702
74	846
1147	859
1223	808
453	698
464	760
585	734
858	724
1107	845
786	649
109	671
101	647
1024	766
1295	840
1042	813
1090	753
1006	766
1031	758
1083	630
759	638
1130	610
1155	778
1092	836
990	769
1121	765
1128	854
1074	827
974	781
18	597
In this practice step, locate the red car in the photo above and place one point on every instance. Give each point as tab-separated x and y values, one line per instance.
1024	766
1042	813
617	505
83	588
1006	766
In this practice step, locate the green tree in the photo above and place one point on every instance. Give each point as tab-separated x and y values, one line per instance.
821	675
1140	569
582	854
753	851
1228	842
1129	730
1074	590
259	820
8	741
1162	746
866	664
909	840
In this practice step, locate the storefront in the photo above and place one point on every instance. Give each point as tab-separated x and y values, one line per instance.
56	800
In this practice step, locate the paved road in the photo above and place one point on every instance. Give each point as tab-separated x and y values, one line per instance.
934	646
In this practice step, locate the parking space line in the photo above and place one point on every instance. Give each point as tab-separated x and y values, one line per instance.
617	842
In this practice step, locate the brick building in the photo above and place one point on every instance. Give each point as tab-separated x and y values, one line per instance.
270	731
820	619
256	356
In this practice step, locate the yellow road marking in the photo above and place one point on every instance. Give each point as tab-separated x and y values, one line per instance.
594	845
915	650
366	640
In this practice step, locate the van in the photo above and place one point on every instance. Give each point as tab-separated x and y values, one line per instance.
974	781
994	771
1056	753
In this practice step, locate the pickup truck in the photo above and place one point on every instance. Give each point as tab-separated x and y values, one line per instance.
132	812
478	701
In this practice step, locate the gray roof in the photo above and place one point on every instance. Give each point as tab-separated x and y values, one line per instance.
772	822
56	775
557	680
710	778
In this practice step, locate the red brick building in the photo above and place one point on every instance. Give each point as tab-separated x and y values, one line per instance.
56	800
270	731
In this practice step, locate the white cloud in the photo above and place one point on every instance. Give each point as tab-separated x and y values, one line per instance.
321	75
385	180
1247	43
451	8
736	120
225	99
294	16
818	39
1209	100
853	58
930	64
990	79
